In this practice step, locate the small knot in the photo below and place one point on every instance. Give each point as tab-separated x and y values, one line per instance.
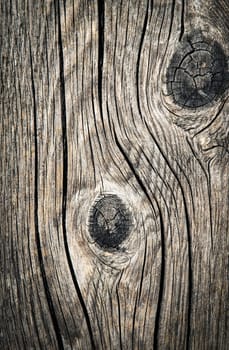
109	222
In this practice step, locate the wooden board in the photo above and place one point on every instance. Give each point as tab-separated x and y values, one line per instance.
114	136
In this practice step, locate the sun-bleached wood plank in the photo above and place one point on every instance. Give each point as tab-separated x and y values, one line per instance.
88	119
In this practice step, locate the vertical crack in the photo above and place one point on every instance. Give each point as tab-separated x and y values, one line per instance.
36	221
189	240
182	21
100	50
65	174
162	272
139	54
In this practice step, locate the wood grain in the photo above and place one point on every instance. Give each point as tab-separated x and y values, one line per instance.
86	114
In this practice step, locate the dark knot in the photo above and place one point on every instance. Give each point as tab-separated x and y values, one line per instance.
198	72
109	222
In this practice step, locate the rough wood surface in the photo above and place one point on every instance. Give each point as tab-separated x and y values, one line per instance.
114	134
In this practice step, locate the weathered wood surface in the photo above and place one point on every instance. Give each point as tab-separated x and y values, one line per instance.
91	120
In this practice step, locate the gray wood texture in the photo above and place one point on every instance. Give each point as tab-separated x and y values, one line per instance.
96	139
